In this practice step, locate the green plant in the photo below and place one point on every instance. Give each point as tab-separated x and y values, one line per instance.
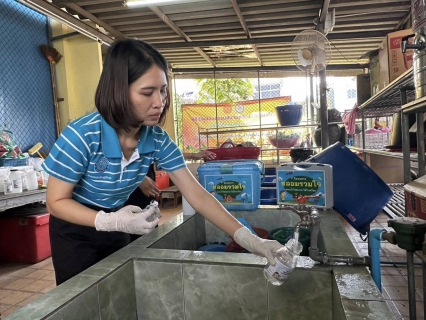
224	90
284	134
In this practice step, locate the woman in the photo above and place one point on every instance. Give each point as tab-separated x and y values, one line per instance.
101	158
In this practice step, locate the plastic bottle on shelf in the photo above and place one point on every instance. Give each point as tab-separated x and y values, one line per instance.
16	178
285	262
7	186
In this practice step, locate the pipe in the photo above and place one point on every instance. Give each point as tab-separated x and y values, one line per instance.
374	239
424	284
395	263
411	286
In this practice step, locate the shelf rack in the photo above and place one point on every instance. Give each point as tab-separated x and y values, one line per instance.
387	101
256	128
19	199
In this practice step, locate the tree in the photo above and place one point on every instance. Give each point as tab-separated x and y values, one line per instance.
224	90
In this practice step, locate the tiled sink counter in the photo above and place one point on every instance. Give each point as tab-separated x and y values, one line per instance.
160	276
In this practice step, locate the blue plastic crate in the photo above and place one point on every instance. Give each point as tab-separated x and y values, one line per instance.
13	162
234	183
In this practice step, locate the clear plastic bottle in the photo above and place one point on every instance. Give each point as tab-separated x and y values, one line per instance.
285	262
8	187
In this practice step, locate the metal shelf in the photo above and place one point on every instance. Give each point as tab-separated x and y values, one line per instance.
418	105
395	208
387	101
381	152
20	199
257	128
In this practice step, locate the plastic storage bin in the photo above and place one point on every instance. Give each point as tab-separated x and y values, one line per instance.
24	234
310	184
13	162
235	184
359	193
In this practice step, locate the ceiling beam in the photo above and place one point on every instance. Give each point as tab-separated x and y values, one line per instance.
245	28
287	39
403	21
63	17
182	34
99	22
266	68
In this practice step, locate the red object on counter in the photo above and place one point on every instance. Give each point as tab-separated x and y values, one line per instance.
24	239
236	153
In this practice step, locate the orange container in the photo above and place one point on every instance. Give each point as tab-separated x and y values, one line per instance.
162	180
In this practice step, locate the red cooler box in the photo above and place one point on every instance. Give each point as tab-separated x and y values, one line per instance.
24	234
415	198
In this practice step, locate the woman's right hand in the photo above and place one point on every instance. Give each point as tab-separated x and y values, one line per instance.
129	219
262	247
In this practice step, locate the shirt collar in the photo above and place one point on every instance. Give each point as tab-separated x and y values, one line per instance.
111	144
146	141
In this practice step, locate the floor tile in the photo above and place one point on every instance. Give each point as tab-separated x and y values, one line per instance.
38	274
14	297
398	293
5	280
29	299
404	309
38	285
19	284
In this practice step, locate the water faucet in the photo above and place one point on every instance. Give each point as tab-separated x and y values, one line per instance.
309	217
304	212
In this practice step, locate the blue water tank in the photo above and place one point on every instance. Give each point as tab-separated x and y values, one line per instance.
359	193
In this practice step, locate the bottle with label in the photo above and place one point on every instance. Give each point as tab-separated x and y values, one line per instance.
285	262
8	187
15	177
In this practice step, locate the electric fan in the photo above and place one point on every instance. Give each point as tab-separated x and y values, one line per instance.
311	51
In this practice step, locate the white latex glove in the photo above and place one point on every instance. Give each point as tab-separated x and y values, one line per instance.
129	219
262	247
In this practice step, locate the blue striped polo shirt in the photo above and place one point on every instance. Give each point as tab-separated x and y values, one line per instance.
88	154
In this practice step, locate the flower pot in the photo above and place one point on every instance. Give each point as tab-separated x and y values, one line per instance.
289	115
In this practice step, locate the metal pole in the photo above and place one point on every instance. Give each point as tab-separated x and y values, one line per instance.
424	286
215	104
420	144
311	93
405	127
364	155
323	109
411	285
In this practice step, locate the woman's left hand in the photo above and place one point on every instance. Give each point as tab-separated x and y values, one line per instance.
149	187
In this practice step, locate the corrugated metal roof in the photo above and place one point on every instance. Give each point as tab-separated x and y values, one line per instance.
245	33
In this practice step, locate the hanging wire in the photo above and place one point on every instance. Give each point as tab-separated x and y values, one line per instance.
339	51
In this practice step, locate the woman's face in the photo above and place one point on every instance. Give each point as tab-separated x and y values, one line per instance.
148	96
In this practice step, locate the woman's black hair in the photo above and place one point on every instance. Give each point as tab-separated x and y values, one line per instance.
126	61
